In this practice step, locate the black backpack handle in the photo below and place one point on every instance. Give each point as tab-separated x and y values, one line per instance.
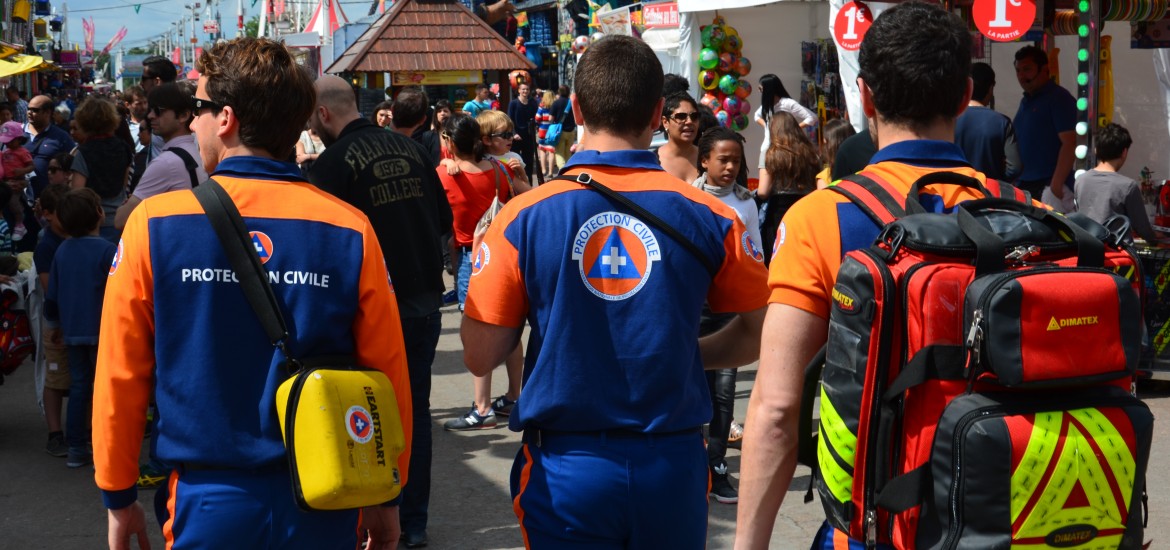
989	247
943	177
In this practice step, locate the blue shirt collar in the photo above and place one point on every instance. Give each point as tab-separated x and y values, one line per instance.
635	158
1047	87
923	152
258	168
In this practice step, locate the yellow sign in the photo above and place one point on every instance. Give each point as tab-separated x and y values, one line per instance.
435	78
1057	324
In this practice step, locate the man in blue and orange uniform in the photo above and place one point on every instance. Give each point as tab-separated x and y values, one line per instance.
614	386
175	319
914	81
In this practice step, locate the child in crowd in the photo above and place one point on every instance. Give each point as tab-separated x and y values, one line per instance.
53	352
73	305
546	152
496	131
17	162
721	163
1103	192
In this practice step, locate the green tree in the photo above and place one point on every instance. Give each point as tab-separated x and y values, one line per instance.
139	50
252	26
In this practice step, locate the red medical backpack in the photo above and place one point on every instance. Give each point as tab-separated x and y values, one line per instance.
976	383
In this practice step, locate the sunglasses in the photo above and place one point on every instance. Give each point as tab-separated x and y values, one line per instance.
502	135
199	104
158	111
35	110
682	117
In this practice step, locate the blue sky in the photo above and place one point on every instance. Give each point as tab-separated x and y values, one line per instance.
152	19
156	17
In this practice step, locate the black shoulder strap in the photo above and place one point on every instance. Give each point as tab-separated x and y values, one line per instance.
188	161
237	244
588	181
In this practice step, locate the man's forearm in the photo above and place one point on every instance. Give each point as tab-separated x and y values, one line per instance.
791	337
736	344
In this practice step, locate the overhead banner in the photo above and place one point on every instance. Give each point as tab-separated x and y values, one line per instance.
660	16
615	22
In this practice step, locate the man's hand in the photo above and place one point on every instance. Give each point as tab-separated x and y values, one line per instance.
54	335
383	526
127	522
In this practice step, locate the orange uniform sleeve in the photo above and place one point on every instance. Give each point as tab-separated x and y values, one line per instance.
742	281
378	335
496	293
808	254
123	378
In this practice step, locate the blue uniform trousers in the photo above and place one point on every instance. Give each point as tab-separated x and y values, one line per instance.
611	490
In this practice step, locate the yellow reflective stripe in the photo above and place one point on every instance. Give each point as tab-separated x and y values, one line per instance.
1030	473
834	432
1079	463
1114	449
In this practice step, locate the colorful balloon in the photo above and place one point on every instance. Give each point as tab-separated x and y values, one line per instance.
745	106
743	66
708	80
739	122
723	118
709	101
743	90
732	105
708	59
727	62
580	44
728	84
712	36
732	44
596	36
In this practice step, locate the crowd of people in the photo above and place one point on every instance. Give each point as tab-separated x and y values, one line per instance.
553	211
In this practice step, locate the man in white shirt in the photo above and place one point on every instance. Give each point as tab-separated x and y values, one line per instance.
170	115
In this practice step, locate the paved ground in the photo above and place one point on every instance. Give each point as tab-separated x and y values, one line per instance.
45	505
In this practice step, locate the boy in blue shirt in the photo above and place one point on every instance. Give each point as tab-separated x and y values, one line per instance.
73	306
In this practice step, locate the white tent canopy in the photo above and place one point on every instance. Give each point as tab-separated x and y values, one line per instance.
685	6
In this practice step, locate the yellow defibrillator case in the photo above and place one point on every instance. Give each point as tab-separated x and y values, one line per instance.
343	435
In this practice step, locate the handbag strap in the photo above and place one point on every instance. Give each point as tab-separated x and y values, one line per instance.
587	180
568	107
241	252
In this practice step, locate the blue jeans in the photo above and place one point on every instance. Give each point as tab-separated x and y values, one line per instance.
421	337
82	360
463	276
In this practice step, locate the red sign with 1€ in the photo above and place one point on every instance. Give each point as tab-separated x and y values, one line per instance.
850	25
1004	20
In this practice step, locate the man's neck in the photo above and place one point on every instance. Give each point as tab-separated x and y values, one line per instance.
39	129
409	131
606	142
889	134
974	103
176	135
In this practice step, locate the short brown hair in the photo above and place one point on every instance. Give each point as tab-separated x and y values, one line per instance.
268	92
79	211
97	116
618	82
